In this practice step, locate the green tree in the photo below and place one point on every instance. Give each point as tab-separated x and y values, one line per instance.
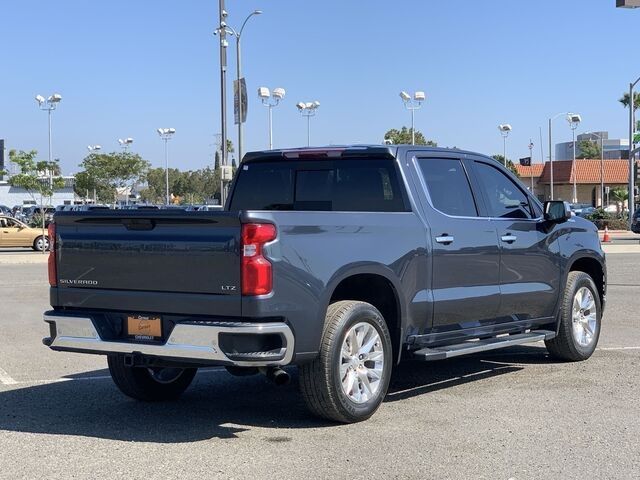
510	165
86	187
116	170
39	178
403	137
619	195
636	100
589	149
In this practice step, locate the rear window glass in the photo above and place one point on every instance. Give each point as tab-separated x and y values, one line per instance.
345	185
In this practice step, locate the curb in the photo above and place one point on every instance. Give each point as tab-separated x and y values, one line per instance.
23	259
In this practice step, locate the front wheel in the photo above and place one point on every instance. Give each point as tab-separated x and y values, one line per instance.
350	378
40	244
580	319
149	384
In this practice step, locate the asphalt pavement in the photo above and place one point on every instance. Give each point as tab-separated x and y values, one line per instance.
511	414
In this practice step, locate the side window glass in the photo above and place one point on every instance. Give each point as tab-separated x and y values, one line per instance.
504	198
448	186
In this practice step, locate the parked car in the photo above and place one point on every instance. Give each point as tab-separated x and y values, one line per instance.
635	222
586	211
14	233
4	210
342	261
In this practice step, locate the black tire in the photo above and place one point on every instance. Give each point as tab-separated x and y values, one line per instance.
147	384
320	380
38	248
565	346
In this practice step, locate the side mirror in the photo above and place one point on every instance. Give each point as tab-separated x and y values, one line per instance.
557	211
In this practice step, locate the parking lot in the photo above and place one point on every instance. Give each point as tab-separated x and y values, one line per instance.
510	414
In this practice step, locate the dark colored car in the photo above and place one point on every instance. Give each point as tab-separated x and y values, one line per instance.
341	261
635	222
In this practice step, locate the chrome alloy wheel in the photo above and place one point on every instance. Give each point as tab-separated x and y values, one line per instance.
584	317
42	244
362	362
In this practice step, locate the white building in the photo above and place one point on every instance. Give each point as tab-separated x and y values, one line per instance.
11	196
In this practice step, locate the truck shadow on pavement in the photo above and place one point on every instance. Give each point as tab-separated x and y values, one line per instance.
218	405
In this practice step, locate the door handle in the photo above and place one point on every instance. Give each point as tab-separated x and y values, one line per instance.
445	239
509	238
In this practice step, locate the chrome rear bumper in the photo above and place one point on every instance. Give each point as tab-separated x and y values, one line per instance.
187	341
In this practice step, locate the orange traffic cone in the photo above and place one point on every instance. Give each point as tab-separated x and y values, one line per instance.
606	238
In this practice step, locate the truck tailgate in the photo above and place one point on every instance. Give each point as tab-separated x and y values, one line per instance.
153	251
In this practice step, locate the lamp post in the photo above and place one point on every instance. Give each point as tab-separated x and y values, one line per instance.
94	148
504	131
632	151
271	99
413	104
238	35
221	31
125	143
166	134
574	120
308	110
551	119
49	105
531	165
601	138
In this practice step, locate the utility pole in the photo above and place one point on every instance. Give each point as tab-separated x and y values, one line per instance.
531	164
222	32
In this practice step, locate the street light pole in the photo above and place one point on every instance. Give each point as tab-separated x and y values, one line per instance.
308	110
531	165
270	100
504	131
413	104
222	32
166	134
631	153
551	119
239	76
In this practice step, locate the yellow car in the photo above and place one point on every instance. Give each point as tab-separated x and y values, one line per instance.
14	233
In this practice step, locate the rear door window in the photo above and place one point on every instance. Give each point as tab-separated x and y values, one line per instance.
358	185
448	186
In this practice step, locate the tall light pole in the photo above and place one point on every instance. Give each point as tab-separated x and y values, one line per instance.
308	110
125	143
239	90
531	165
166	134
271	99
413	104
632	151
574	120
49	105
504	131
221	31
551	119
601	138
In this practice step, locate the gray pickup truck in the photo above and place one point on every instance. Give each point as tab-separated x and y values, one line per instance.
342	261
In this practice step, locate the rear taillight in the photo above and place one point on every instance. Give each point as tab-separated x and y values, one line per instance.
53	274
257	276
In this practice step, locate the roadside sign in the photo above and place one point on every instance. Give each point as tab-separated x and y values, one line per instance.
525	161
236	103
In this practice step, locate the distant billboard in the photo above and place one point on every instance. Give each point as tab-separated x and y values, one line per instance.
628	3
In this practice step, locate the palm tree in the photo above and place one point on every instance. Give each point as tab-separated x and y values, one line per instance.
619	195
636	100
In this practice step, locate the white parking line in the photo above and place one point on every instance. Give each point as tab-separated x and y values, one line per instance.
5	378
618	348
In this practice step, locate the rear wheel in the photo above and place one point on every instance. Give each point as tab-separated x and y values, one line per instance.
580	318
149	384
350	378
41	243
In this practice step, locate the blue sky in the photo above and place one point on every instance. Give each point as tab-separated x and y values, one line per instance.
127	67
